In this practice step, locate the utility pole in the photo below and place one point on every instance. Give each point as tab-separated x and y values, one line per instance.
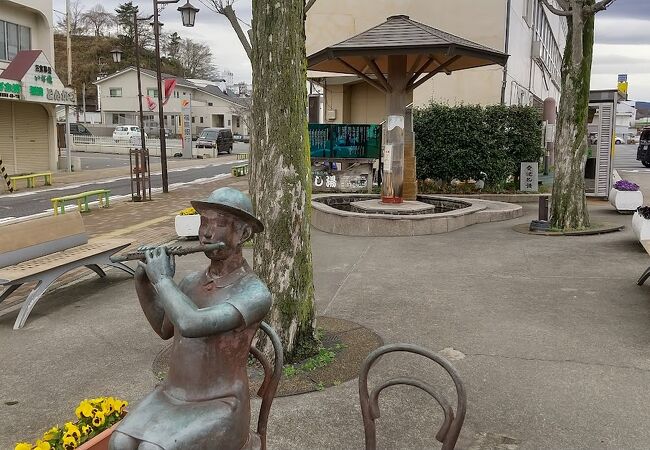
163	143
68	139
83	99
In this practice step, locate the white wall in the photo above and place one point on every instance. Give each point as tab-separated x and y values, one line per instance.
35	14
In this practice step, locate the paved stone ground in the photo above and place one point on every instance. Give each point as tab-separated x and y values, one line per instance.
554	332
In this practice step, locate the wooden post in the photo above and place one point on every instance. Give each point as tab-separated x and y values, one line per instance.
393	181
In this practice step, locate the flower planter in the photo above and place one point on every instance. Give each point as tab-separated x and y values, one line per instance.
625	201
99	442
641	227
187	226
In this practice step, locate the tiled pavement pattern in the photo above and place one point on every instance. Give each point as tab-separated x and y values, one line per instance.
144	223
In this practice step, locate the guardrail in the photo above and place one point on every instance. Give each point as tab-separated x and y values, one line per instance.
104	144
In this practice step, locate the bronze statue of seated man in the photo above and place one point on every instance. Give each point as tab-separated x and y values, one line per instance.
213	316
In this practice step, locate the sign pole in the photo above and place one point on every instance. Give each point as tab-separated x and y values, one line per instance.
68	139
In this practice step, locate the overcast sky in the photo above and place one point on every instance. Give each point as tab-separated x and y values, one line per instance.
622	40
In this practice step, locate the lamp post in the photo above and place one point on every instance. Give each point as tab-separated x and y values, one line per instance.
188	15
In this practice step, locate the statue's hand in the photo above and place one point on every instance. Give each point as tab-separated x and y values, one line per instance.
158	265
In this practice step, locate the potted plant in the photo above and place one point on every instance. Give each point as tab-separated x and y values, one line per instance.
625	196
187	223
96	420
641	223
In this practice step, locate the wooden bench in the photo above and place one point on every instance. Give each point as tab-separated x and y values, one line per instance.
239	171
47	179
241	156
58	203
43	249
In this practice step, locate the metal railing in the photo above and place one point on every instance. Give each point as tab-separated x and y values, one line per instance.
104	144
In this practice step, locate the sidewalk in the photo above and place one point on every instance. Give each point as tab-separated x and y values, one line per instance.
150	222
554	333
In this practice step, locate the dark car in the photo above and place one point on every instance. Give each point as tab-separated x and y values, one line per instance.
241	138
218	138
643	152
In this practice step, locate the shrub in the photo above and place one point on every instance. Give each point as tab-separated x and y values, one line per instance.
463	141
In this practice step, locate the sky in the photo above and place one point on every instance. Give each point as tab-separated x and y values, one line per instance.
622	40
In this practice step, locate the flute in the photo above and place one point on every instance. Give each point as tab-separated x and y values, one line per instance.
176	251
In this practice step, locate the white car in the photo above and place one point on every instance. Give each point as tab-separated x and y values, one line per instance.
618	141
127	133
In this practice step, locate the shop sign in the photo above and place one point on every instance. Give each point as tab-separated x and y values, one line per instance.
339	181
42	84
186	128
10	89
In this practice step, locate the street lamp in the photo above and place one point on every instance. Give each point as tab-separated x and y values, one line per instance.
188	13
117	55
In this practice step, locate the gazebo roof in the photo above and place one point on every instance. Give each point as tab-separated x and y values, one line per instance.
428	50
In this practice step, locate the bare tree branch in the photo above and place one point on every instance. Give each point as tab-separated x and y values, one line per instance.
224	7
309	4
600	6
554	10
564	4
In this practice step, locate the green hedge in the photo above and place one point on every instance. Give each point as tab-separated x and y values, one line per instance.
462	141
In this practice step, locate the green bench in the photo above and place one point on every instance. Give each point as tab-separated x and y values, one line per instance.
47	179
241	156
58	203
239	171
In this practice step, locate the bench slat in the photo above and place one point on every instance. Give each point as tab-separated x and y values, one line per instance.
43	264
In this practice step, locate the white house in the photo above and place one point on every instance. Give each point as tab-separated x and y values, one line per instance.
29	87
211	107
532	36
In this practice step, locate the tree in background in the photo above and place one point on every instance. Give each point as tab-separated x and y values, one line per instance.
195	59
98	20
568	201
172	45
77	23
124	17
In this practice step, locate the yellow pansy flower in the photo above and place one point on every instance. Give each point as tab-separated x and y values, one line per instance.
42	445
98	419
51	434
119	405
69	442
72	430
84	409
23	446
86	429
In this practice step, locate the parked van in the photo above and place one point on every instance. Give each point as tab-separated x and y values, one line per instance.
218	138
643	152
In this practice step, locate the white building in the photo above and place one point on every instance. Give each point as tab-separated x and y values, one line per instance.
29	87
626	120
211	107
532	36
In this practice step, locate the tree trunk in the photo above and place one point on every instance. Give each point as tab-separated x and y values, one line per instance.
568	202
279	179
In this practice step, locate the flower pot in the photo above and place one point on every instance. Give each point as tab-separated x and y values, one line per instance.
99	442
187	226
641	227
625	201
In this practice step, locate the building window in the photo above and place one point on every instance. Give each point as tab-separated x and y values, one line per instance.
210	104
201	119
192	119
228	122
543	33
115	92
151	92
118	118
13	38
237	122
176	94
183	93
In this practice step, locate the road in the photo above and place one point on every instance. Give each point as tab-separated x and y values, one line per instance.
625	160
26	203
92	161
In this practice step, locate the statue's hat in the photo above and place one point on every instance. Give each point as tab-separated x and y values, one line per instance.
231	201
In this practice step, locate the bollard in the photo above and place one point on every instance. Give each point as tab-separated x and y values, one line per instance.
543	208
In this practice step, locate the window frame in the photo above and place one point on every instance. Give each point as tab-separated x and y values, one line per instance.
110	92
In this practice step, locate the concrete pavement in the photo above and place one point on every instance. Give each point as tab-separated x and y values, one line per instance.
554	331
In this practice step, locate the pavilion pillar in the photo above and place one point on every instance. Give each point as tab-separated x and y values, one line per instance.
410	189
393	179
